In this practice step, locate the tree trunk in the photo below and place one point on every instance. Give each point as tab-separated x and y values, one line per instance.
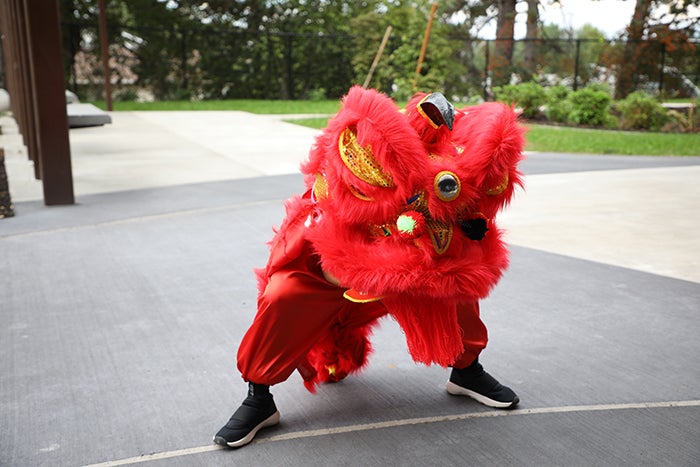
531	35
630	59
503	50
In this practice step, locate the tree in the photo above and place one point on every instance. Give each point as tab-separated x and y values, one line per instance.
502	61
656	27
633	49
531	35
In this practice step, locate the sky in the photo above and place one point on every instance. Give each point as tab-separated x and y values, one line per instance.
610	16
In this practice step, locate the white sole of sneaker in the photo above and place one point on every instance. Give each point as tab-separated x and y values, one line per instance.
455	390
272	420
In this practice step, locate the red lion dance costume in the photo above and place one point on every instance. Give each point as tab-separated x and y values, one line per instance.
398	218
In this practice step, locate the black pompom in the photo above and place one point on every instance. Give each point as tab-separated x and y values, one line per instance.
475	229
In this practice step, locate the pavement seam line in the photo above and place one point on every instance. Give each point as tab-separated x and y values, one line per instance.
404	422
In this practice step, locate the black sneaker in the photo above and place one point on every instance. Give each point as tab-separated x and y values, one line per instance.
255	412
476	383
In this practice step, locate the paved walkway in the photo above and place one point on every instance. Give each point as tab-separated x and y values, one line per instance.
122	313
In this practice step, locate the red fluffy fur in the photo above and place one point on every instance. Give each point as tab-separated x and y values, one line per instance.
421	287
342	351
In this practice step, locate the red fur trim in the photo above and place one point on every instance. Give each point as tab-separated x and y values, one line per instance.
339	353
431	328
387	266
493	141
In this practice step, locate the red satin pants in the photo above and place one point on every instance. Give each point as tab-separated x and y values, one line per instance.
298	306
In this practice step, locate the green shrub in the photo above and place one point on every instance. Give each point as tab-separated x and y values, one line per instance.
558	104
126	95
641	111
318	94
590	107
528	96
179	95
558	92
602	87
676	123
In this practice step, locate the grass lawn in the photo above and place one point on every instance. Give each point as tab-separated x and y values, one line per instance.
247	105
546	138
579	140
542	138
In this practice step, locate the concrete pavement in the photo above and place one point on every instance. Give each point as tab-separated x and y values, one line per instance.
122	313
593	208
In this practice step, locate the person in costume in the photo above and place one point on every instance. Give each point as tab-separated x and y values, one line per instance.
397	219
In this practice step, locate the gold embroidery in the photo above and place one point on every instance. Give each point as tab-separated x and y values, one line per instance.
418	203
383	230
358	194
361	161
500	188
440	232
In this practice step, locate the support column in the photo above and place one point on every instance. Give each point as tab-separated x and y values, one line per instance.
6	208
48	87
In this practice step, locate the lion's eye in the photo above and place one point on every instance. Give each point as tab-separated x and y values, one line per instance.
447	186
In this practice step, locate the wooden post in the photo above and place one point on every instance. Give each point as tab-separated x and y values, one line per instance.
377	57
49	109
6	209
15	42
424	47
104	46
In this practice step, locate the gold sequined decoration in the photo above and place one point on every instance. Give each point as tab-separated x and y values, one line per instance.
440	232
500	188
380	230
361	161
320	189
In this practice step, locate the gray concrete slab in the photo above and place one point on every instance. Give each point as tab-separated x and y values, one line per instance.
84	115
641	219
538	163
142	150
120	336
121	316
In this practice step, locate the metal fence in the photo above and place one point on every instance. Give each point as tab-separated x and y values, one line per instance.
210	63
668	67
